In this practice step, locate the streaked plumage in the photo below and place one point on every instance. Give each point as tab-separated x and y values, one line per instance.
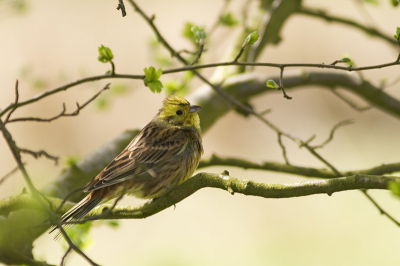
164	154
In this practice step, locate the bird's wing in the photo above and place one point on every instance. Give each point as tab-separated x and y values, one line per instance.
150	147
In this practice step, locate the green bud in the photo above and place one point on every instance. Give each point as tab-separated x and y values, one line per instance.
272	84
251	39
199	34
105	54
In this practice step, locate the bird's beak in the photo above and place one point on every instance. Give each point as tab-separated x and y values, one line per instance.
194	108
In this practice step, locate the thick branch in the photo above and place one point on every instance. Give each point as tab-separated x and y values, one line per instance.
221	181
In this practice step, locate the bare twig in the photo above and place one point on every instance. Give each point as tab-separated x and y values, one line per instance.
283	148
37	154
2	179
15	103
321	14
382	212
239	54
122	7
62	263
281	84
75	247
330	138
191	68
75	113
198	53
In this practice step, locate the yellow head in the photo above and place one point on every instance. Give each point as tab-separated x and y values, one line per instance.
177	111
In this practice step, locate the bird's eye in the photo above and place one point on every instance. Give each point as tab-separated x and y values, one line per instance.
179	112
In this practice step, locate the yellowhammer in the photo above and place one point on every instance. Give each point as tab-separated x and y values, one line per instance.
164	154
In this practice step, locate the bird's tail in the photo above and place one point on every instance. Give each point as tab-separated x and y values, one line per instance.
77	212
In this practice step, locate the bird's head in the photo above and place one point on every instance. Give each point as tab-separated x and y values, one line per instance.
177	111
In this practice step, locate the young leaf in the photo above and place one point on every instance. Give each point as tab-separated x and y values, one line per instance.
272	84
155	86
105	54
199	34
251	38
152	74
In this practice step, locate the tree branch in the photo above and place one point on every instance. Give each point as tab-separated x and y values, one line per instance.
321	14
216	160
221	181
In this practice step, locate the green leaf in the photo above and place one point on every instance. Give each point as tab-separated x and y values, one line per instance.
251	38
187	31
346	59
105	54
228	20
151	74
395	188
272	84
155	86
395	2
199	34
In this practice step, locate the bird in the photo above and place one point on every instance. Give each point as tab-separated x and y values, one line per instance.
164	154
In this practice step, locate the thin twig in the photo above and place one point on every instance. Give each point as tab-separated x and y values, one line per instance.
15	103
330	138
198	53
283	148
75	247
8	175
62	263
281	84
382	212
37	154
330	18
112	68
62	114
122	7
239	54
191	68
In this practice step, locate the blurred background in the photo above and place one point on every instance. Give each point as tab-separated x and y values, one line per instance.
45	44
